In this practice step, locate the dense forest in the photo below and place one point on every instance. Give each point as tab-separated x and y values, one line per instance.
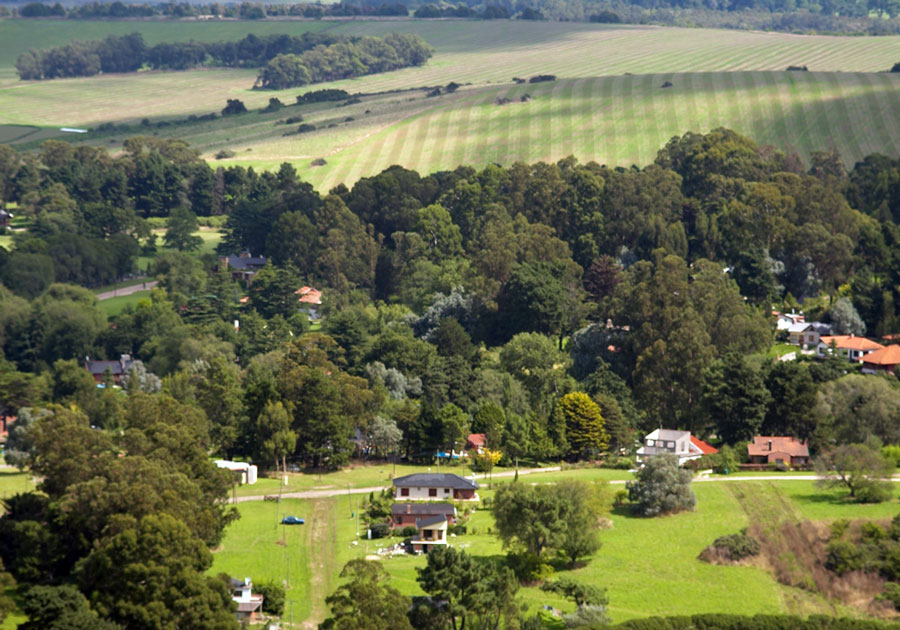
288	60
506	287
800	16
560	309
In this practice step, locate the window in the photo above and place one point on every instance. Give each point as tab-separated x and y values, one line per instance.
404	492
446	490
432	492
649	442
440	534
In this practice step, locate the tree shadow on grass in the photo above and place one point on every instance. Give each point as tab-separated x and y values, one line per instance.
829	498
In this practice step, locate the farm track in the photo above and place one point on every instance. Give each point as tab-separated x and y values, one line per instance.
322	540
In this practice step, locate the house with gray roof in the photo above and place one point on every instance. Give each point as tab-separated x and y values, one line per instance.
434	487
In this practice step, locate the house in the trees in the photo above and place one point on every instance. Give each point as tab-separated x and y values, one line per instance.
432	531
435	487
406	514
807	334
784	321
248	604
782	451
100	369
309	300
5	218
680	443
885	360
850	347
476	443
243	266
6	423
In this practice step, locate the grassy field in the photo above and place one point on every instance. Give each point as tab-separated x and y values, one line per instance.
608	105
256	546
114	306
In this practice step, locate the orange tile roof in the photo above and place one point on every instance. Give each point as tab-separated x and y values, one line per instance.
706	449
308	295
851	342
788	445
889	355
476	439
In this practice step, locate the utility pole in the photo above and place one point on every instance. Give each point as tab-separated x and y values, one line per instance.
357	517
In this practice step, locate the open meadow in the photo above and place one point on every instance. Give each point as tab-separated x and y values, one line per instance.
649	565
608	104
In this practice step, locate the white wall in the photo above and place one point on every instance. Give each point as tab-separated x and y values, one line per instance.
421	494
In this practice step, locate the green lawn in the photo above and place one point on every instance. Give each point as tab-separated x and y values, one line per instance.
13	482
650	566
376	475
253	548
114	306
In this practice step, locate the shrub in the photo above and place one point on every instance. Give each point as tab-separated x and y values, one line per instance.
273	106
874	491
842	557
433	92
318	162
528	567
273	597
605	17
451	87
590	616
891	452
891	590
234	107
306	128
896	67
460	529
661	487
407	532
380	530
320	96
620	498
736	547
797	69
225	154
541	78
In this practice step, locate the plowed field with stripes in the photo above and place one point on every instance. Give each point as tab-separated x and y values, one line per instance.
607	104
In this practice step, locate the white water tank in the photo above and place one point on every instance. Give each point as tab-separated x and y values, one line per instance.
251	474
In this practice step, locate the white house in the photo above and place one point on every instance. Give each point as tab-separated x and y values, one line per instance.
432	531
680	443
784	321
434	487
850	347
248	604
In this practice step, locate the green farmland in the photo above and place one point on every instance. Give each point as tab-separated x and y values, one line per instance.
670	580
607	104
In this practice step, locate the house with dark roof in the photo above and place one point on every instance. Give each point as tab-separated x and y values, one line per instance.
117	369
406	514
248	604
680	443
243	266
435	486
5	217
787	451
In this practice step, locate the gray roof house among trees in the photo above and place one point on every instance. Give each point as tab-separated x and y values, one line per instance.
435	480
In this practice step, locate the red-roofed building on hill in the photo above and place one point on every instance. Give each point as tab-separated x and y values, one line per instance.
848	346
885	360
706	449
310	300
476	442
787	451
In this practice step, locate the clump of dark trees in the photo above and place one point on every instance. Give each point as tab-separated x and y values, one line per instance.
325	57
344	60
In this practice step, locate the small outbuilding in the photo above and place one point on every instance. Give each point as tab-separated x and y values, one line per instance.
885	360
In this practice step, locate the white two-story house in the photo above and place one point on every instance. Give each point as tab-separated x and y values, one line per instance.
680	443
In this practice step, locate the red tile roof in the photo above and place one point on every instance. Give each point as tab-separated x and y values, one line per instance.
308	295
476	439
788	445
850	342
705	448
889	355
